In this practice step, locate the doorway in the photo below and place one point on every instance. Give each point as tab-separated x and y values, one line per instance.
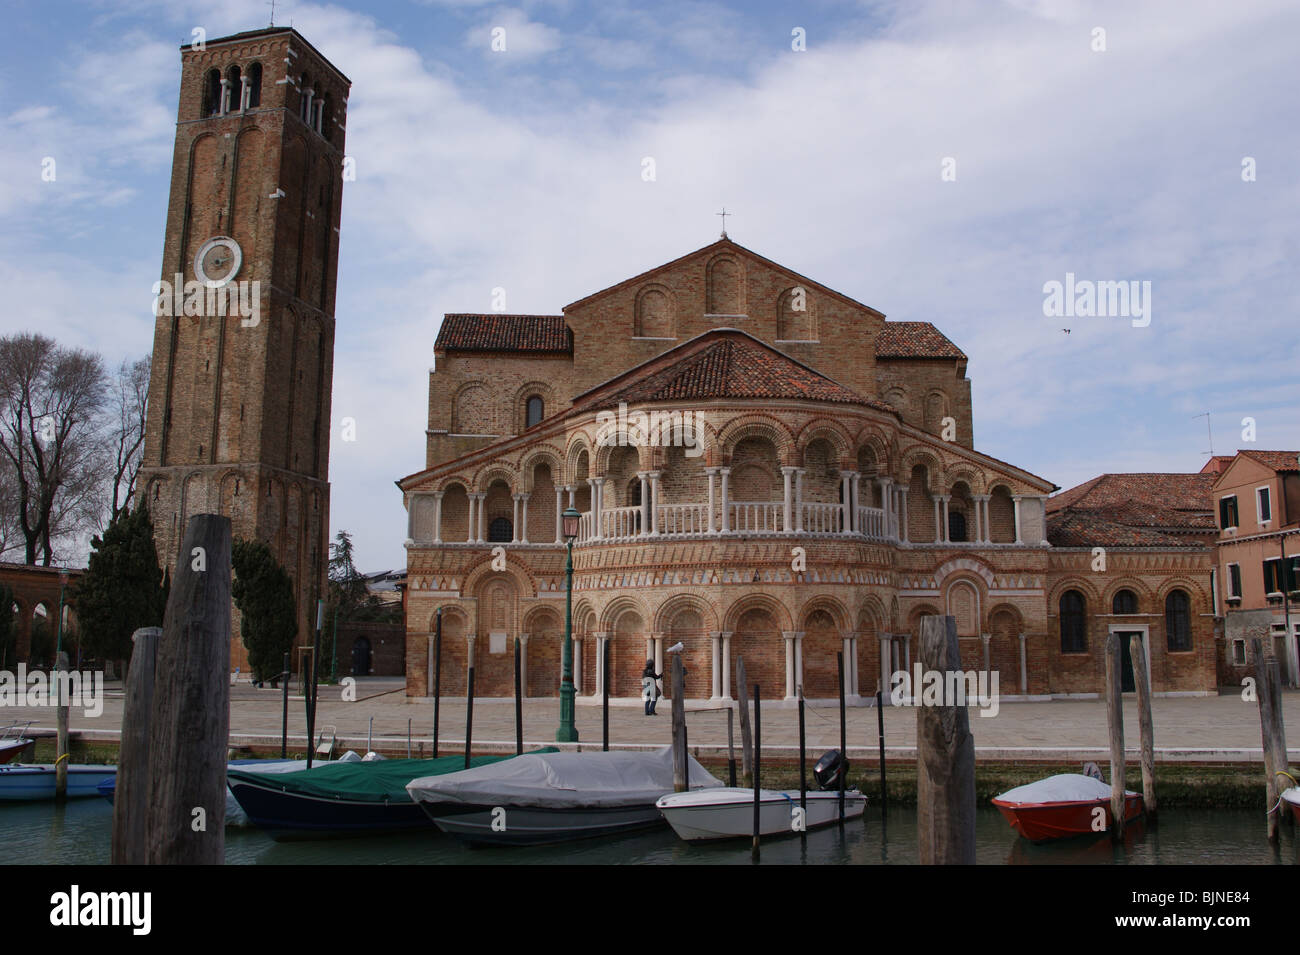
361	657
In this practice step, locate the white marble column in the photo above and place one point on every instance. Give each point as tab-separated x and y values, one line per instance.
846	502
890	528
577	665
514	518
902	496
726	499
645	505
658	655
523	522
798	499
224	106
482	517
523	665
716	640
1042	502
572	490
947	537
855	492
1015	500
437	516
787	499
979	501
726	664
986	638
654	504
594	484
710	525
886	670
938	526
559	511
601	640
790	676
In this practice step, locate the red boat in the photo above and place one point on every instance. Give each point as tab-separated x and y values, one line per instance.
13	740
1063	806
1292	798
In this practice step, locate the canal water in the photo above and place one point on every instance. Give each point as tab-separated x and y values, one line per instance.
79	832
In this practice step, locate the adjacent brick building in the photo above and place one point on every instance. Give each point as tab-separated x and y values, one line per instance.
826	495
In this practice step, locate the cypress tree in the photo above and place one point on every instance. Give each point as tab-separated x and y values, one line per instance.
263	592
121	590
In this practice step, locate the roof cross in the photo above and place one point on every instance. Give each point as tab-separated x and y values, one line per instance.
724	213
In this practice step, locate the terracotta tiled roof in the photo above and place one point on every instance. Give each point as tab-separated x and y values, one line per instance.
1277	460
914	340
723	363
1087	529
547	334
1217	464
1133	510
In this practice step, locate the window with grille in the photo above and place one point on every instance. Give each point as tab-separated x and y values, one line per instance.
1124	601
1178	621
1074	637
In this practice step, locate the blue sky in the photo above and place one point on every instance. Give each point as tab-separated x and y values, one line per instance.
522	170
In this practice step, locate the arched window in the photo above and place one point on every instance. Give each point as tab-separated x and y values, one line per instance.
305	96
1178	621
956	526
323	114
253	81
212	93
234	91
534	411
1124	601
500	530
1074	635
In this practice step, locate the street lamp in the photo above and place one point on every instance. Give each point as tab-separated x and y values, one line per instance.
568	733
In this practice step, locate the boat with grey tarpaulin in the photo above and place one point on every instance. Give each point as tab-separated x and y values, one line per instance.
554	797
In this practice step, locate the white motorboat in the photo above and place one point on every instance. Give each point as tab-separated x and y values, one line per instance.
14	739
728	813
543	798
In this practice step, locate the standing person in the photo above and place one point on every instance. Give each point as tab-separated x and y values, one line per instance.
650	687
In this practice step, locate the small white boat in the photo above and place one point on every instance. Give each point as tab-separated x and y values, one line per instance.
728	813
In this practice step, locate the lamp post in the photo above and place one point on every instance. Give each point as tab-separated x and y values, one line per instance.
568	733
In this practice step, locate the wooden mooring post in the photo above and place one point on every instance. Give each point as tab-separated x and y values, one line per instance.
190	724
1146	727
519	704
803	762
681	767
284	708
131	795
61	708
758	749
469	708
731	747
437	677
746	740
1268	692
945	758
1115	723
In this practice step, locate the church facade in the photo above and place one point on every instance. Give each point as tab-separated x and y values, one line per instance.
765	469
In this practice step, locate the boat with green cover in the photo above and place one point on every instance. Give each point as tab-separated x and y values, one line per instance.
340	798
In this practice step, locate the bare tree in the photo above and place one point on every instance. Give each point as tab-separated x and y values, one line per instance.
130	405
50	441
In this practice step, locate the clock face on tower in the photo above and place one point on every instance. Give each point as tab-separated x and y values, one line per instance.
218	261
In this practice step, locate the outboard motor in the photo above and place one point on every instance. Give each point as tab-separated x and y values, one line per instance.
830	769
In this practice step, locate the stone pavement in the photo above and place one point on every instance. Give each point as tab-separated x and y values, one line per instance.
1190	729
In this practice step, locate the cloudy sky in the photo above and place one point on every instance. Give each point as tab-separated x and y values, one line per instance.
1153	142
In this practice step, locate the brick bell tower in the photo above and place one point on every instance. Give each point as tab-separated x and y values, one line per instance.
243	354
